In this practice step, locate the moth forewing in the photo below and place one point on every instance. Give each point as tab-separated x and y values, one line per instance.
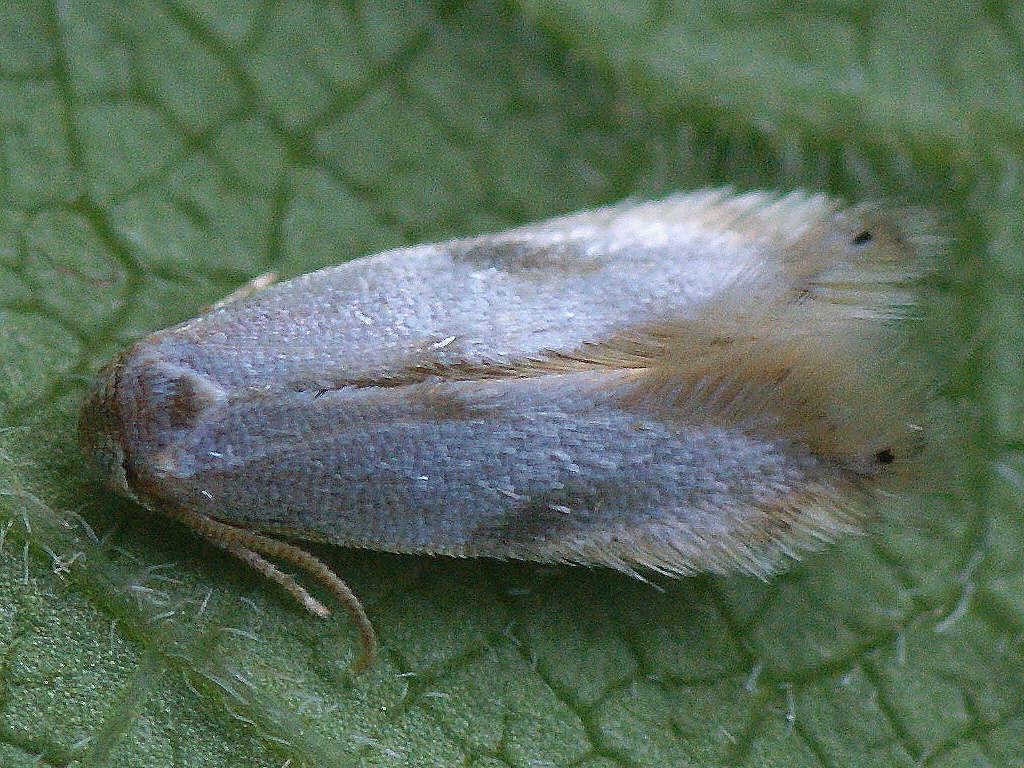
698	383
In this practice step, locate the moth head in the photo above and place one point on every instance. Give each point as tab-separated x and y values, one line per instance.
98	429
140	408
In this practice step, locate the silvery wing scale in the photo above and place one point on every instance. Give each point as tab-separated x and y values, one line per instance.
703	383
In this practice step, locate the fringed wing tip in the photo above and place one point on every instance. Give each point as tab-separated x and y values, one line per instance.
759	542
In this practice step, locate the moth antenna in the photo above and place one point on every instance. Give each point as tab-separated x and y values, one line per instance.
266	568
246	546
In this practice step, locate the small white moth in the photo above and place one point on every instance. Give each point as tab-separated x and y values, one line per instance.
703	383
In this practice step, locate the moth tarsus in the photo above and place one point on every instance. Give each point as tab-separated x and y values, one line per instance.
711	382
258	283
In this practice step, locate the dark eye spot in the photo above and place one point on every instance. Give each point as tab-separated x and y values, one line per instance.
130	475
885	456
863	238
173	396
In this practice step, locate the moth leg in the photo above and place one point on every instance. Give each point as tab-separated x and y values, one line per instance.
245	545
245	290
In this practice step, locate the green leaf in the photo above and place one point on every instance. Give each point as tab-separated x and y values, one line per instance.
155	155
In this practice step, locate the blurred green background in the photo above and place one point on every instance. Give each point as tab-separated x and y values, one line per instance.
155	155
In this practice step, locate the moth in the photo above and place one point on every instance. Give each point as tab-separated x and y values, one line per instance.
709	382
